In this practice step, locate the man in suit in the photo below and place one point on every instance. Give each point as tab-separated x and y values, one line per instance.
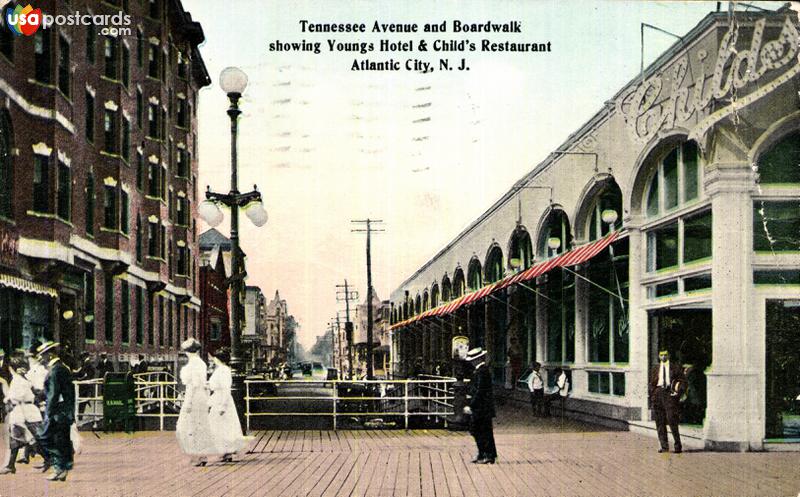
667	384
104	366
54	436
481	407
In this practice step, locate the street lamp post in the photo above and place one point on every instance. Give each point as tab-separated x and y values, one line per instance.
233	82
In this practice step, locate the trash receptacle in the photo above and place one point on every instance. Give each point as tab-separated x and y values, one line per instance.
119	402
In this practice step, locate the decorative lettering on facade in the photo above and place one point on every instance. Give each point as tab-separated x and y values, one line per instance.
646	111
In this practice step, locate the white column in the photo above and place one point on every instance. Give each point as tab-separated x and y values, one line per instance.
733	381
638	324
580	382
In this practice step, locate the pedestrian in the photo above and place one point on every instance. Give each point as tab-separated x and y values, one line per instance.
37	374
23	417
536	388
193	429
481	407
666	385
104	365
54	435
224	418
5	380
141	365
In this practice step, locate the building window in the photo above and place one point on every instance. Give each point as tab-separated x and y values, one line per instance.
91	43
152	61
152	239
560	305
182	117
607	383
41	183
163	178
183	211
88	305
776	225
183	261
154	10
64	192
90	204
779	165
6	41
183	163
139	108
110	57
89	118
607	305
139	171
216	330
153	177
109	308
126	139
63	66
161	318
110	208
150	320
170	327
685	240
163	248
126	65
125	312
110	131
153	127
41	56
181	65
139	47
123	211
610	199
6	168
139	239
675	181
139	296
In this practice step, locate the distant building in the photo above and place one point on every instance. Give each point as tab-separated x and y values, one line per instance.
254	338
275	330
380	337
214	329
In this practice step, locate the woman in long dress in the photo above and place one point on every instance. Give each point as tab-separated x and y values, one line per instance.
193	429
227	431
24	418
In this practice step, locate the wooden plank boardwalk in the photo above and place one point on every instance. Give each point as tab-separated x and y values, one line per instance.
541	458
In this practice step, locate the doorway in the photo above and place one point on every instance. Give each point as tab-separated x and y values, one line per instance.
686	334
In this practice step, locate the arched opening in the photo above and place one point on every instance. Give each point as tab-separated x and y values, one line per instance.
417	305
606	211
425	301
675	179
459	284
555	236
474	279
494	264
447	289
520	250
435	296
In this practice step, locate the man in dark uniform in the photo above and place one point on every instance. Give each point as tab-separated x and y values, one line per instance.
481	407
667	384
59	413
104	366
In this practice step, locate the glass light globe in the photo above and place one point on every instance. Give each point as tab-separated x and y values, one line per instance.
609	216
256	213
233	80
210	213
554	242
67	315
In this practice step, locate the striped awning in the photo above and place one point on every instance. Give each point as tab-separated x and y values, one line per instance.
574	257
24	285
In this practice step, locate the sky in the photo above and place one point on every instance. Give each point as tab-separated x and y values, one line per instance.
426	153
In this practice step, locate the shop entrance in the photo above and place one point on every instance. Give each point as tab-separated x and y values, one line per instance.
686	334
783	369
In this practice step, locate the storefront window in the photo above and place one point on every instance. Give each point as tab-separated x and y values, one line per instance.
776	226
697	237
780	163
675	181
560	302
608	313
686	240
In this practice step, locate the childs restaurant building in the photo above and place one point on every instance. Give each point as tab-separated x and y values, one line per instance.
670	220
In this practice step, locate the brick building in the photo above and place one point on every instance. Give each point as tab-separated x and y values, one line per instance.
215	258
98	158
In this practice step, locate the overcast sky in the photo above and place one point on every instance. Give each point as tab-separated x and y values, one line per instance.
327	145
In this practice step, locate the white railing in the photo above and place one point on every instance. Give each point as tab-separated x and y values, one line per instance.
429	397
88	402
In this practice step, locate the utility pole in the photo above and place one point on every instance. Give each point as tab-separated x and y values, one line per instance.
348	325
369	230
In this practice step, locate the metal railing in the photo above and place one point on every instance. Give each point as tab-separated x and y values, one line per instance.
88	402
364	400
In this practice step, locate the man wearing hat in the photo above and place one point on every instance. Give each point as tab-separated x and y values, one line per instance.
481	407
54	436
667	384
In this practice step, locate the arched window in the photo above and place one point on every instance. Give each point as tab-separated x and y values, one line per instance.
675	181
417	305
610	199
781	163
494	265
520	254
6	168
776	223
447	291
435	296
555	237
425	301
459	285
405	310
474	279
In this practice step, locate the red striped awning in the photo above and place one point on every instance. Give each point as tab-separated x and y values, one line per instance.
574	257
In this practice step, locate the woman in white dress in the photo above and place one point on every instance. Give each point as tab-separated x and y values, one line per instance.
227	431
24	418
193	429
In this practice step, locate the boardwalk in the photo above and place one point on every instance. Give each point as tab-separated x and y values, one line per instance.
546	458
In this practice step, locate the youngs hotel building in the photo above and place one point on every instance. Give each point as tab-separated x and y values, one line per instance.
98	179
671	219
